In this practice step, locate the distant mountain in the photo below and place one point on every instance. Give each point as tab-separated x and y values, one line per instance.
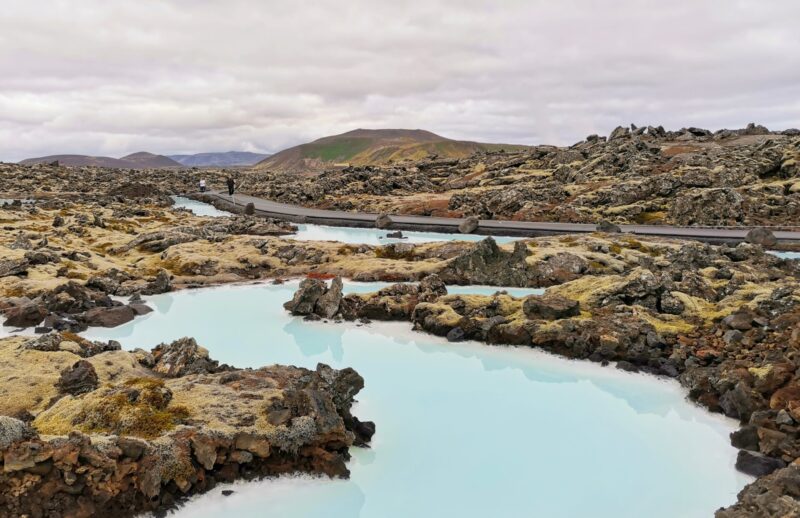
372	147
227	159
141	160
146	160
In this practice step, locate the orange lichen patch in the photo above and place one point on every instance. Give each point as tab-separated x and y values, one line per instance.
679	150
423	205
319	275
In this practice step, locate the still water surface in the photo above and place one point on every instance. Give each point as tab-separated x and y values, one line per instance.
462	429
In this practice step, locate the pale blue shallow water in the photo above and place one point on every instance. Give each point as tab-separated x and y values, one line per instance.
359	287
199	208
356	236
462	429
787	255
373	236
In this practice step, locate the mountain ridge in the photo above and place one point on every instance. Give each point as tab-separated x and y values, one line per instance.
220	159
138	160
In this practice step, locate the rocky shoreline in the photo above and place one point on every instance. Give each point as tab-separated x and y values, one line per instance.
104	432
738	357
724	320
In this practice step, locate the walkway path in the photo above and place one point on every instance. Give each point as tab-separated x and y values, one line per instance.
300	214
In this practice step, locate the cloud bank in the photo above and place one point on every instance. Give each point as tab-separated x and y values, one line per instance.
183	76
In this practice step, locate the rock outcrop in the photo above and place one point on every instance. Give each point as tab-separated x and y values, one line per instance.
650	175
486	263
118	439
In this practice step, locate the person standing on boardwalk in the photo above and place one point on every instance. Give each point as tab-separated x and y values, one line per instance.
231	185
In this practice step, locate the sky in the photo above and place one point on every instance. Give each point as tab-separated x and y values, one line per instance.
111	77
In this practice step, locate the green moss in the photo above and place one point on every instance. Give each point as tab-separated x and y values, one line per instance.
141	409
341	149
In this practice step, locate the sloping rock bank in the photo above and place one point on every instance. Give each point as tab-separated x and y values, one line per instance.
95	431
735	356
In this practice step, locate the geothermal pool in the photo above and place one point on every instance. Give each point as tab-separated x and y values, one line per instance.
371	236
368	236
355	236
199	208
462	429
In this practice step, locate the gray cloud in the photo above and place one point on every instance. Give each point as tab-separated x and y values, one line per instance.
187	76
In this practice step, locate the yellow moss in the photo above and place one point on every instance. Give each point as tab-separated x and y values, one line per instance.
650	217
143	412
444	314
667	324
760	372
630	242
389	252
29	377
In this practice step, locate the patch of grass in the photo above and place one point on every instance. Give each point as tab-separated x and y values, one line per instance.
340	149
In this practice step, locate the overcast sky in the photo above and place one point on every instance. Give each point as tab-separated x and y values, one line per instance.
177	76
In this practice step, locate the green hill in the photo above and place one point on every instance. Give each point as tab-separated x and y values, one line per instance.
372	147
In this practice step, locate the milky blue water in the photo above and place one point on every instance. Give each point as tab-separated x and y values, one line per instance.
356	236
353	287
463	429
787	255
198	207
373	236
